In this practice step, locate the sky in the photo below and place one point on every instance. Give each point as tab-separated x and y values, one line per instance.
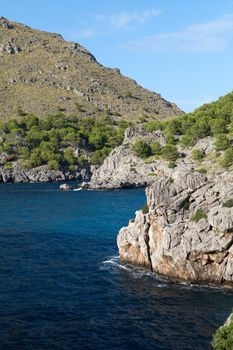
181	49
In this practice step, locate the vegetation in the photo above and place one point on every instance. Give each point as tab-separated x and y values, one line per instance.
228	203
199	214
156	148
223	337
201	170
171	165
58	141
197	154
145	209
170	152
141	148
213	119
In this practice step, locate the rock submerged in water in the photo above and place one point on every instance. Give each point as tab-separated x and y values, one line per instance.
187	234
66	187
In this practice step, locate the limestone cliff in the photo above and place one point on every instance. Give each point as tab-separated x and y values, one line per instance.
187	233
123	169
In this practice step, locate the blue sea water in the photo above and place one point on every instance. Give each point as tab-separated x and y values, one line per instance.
62	286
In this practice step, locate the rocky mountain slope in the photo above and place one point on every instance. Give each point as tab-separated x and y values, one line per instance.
200	141
124	169
41	73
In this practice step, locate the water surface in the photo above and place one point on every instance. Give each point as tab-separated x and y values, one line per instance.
63	288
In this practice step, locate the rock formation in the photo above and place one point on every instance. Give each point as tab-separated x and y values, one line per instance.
187	233
43	174
123	169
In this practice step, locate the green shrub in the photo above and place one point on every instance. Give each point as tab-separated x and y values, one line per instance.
69	157
156	148
221	142
227	159
223	338
99	155
171	165
53	165
187	140
201	170
152	126
145	209
197	154
228	203
8	166
199	214
170	152
141	148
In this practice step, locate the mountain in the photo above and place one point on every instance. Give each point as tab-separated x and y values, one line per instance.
41	73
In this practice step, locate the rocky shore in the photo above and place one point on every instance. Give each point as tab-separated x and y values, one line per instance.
186	231
43	174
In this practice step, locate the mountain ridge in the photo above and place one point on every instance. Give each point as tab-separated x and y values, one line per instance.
42	73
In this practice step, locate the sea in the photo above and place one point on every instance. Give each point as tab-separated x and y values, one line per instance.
63	286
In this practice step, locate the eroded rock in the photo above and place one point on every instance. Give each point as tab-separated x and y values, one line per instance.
178	247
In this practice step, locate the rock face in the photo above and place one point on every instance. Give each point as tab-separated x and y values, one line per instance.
43	174
187	234
122	169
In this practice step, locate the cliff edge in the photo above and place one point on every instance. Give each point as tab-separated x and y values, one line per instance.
186	230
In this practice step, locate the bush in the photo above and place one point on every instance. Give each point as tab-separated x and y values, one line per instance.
152	126
141	148
53	165
227	159
221	142
69	157
99	155
228	203
197	154
170	152
171	165
200	214
201	170
187	140
156	148
223	338
145	209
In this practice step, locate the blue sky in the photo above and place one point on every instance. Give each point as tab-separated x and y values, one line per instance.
179	48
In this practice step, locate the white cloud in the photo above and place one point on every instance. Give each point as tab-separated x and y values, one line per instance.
211	36
84	34
124	19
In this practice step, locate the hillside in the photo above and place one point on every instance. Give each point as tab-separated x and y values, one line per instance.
200	140
41	73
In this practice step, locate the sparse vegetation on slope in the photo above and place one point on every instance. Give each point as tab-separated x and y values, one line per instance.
42	73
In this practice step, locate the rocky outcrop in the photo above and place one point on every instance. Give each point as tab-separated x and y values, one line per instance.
43	174
187	234
123	169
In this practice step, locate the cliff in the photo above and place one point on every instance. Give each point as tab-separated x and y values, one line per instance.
187	233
